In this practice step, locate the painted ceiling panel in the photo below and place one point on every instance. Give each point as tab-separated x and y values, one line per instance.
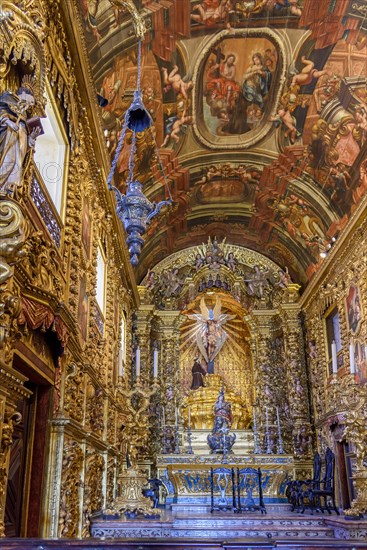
260	115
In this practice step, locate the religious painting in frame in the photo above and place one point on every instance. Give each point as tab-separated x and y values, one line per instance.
86	228
360	362
238	81
354	309
83	308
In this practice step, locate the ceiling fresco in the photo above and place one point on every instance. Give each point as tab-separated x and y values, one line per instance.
260	115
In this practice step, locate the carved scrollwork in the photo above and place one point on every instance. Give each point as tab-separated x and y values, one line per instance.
13	236
6	441
21	39
93	492
94	410
70	484
74	392
42	265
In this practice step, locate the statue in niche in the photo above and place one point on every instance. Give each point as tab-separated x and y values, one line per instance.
220	440
198	373
18	133
303	440
258	284
210	334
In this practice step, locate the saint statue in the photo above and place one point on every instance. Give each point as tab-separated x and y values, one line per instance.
198	373
18	133
220	440
210	334
222	414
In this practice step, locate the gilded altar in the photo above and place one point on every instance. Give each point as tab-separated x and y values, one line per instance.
187	483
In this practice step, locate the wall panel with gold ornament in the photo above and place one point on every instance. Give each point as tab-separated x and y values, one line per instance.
338	399
54	333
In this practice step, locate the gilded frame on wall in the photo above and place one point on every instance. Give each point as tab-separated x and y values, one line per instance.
353	308
360	361
225	40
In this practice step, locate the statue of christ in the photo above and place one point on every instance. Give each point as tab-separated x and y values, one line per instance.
210	334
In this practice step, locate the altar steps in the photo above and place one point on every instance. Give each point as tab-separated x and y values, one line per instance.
249	525
229	526
183	544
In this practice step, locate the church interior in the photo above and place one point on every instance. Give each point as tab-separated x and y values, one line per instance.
183	274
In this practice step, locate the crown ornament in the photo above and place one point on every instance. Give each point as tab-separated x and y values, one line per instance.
29	82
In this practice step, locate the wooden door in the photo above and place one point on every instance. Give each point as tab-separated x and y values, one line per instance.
17	466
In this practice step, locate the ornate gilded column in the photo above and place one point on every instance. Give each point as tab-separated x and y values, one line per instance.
169	373
265	398
144	317
297	384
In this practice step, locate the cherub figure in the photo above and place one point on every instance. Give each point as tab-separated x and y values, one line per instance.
312	349
151	280
285	116
291	5
209	12
284	278
176	127
199	261
231	262
175	81
212	171
307	74
249	7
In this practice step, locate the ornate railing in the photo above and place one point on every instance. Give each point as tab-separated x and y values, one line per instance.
45	207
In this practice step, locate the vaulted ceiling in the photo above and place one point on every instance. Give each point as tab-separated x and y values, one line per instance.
260	115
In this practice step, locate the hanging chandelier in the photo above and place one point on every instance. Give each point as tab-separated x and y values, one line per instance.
134	209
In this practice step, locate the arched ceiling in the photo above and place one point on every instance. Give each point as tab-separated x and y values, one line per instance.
260	112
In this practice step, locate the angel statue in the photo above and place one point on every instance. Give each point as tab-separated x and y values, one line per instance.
210	334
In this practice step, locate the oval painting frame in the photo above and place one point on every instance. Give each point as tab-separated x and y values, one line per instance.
213	54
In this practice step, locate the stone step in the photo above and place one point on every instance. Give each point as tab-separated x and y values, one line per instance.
250	520
250	525
216	528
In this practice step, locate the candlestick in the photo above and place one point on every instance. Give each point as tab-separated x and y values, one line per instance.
256	435
137	361
267	435
163	417
351	358
155	363
225	458
177	447
189	434
280	440
334	358
164	443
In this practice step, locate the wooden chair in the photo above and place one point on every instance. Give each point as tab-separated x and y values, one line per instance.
249	480
326	489
222	481
299	489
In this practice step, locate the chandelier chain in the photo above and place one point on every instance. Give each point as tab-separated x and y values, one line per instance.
118	151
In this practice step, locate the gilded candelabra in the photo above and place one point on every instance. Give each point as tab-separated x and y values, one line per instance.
136	433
